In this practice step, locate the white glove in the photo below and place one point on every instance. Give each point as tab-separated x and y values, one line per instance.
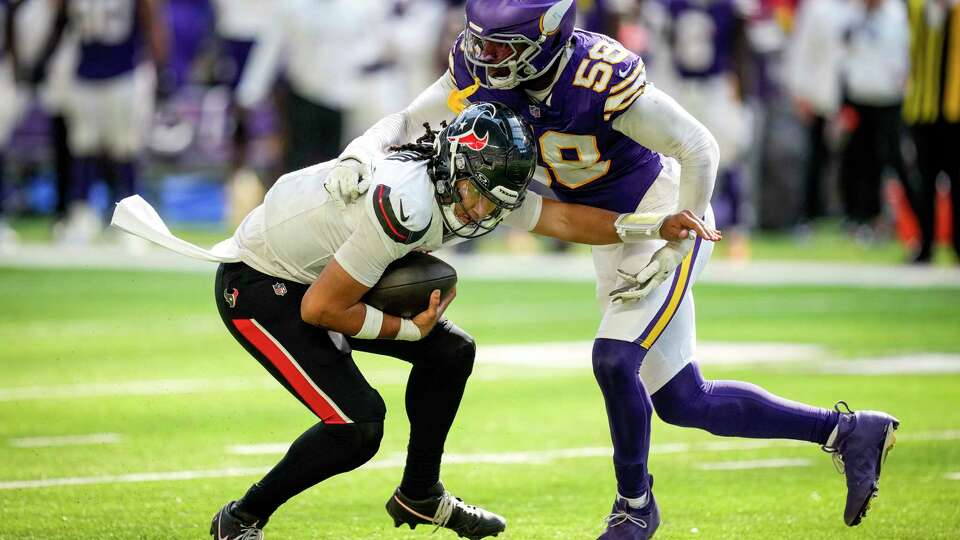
664	261
348	180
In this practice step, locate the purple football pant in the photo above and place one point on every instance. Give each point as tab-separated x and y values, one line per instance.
727	408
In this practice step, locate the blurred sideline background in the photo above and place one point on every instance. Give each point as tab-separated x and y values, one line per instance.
212	100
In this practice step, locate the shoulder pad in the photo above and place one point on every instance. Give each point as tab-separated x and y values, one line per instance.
401	198
614	73
398	216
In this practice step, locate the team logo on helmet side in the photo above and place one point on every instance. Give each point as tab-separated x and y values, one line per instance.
470	140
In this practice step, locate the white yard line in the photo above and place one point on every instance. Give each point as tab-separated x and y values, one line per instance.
576	354
524	267
397	460
65	440
539	357
918	363
952	476
132	388
754	464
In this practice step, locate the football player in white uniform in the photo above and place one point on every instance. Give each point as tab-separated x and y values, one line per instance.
290	291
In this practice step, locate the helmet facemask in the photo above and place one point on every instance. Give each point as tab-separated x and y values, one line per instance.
460	190
509	42
517	64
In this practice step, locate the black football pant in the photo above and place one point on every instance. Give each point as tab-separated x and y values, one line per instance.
936	151
315	365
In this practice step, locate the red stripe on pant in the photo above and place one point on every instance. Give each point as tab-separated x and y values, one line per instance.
319	403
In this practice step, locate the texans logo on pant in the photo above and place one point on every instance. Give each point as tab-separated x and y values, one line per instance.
231	297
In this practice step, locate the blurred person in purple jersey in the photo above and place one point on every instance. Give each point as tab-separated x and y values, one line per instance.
610	139
710	56
110	104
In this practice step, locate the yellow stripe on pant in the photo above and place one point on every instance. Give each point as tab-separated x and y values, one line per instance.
676	296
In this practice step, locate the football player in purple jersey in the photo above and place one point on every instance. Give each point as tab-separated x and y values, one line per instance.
610	139
111	100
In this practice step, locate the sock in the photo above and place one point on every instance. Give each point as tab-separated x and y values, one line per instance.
637	502
84	174
319	453
833	436
739	409
433	395
615	366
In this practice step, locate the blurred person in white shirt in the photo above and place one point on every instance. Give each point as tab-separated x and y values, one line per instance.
812	73
320	48
874	80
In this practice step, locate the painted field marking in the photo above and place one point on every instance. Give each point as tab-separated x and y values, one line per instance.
952	476
65	440
132	388
397	460
754	464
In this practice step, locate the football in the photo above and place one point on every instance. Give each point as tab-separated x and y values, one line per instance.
405	287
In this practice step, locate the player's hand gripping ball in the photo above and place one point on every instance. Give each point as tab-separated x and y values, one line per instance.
405	287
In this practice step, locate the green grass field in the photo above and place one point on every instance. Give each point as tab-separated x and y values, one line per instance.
69	337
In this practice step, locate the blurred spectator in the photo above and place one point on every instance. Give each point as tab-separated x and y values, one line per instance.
875	74
321	48
8	112
111	101
240	25
812	74
39	16
932	109
711	58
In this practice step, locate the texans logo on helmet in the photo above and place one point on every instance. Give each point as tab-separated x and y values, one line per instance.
470	140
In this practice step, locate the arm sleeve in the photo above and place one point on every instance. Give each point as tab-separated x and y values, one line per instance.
658	122
406	125
528	215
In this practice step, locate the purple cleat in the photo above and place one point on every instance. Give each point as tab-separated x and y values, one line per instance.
628	523
863	440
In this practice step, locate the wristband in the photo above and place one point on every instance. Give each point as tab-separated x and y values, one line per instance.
408	331
372	321
638	227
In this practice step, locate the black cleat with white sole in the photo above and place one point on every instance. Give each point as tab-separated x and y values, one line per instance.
231	524
445	510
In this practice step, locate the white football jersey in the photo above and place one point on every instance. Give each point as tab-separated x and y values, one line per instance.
298	229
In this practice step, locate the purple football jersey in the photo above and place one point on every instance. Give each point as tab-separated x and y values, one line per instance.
587	160
109	34
702	36
4	13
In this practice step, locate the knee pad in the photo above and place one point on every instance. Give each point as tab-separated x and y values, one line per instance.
369	408
357	443
455	354
680	401
371	433
616	363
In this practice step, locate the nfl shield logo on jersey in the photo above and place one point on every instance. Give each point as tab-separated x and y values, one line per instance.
535	111
279	289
